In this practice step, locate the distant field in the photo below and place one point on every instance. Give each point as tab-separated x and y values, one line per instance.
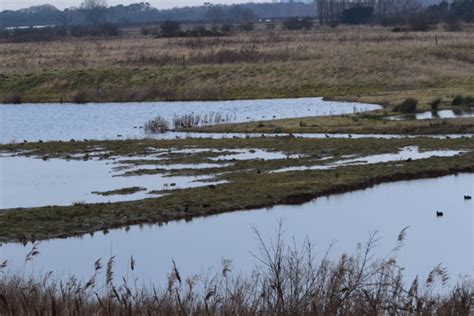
369	64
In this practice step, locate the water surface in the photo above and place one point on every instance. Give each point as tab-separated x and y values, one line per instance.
33	122
342	220
441	114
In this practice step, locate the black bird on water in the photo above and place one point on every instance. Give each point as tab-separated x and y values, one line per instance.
439	214
467	197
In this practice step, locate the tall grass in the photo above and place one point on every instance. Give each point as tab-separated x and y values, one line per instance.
161	125
286	280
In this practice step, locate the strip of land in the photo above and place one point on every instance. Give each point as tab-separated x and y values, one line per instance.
366	123
251	184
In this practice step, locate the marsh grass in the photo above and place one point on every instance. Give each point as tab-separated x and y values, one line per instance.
369	64
123	191
249	184
287	279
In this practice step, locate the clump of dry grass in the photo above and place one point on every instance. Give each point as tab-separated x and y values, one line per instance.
287	280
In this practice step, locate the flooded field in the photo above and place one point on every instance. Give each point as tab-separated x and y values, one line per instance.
89	178
341	220
407	153
441	114
66	182
33	122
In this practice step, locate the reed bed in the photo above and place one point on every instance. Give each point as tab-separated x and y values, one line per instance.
286	280
162	125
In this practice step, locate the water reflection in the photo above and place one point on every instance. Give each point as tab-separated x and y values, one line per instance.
442	114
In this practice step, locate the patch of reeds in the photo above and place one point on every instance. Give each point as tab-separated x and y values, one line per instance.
286	280
157	125
161	125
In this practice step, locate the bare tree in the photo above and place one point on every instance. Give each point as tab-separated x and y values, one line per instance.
94	10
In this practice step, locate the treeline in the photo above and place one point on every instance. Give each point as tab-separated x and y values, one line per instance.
144	13
410	13
31	34
451	15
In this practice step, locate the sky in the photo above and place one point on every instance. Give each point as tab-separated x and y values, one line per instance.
61	4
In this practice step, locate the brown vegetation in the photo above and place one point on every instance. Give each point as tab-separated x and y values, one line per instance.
365	63
286	280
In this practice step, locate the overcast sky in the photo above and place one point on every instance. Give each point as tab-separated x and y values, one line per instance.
161	4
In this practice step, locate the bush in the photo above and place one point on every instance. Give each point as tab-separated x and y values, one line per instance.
298	24
80	97
227	28
407	106
12	98
452	24
468	101
457	100
292	24
247	27
170	28
419	22
434	104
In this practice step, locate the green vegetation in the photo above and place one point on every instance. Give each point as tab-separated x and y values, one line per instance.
365	123
435	104
123	191
267	188
407	106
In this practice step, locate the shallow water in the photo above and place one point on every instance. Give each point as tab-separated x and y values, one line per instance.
410	152
342	220
31	182
181	135
252	154
441	114
33	122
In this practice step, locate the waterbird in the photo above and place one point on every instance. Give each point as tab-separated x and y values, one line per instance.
467	197
212	187
439	214
350	136
327	136
25	141
409	159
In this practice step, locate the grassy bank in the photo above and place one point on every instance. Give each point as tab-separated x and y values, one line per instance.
267	188
362	64
369	123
